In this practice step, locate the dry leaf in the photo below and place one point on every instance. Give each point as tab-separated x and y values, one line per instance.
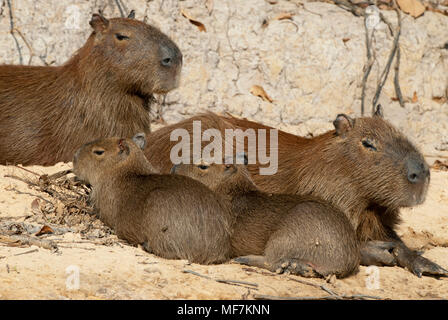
439	165
283	16
259	92
198	24
413	7
45	230
440	100
345	40
35	204
414	97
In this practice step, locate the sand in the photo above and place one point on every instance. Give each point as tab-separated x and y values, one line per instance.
121	271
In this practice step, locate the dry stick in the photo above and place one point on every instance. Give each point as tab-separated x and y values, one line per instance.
11	23
27	44
28	240
344	297
357	11
238	283
26	252
368	66
397	61
386	70
320	286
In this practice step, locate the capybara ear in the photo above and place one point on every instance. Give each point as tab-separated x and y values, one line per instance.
241	158
343	124
123	146
98	22
140	140
378	111
131	14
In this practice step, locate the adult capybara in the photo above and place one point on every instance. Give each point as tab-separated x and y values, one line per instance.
174	217
105	89
364	166
297	234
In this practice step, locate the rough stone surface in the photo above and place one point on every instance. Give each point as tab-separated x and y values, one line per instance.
311	65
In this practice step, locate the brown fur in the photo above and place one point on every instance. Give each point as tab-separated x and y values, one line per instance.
284	228
368	186
46	113
174	217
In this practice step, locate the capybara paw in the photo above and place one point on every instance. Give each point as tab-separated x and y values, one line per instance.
422	266
296	267
378	253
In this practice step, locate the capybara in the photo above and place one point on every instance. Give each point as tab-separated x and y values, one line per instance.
297	234
174	217
104	90
365	167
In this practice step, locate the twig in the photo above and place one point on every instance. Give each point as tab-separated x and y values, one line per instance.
320	286
331	297
397	61
386	70
27	170
17	240
27	44
26	252
370	61
245	284
11	30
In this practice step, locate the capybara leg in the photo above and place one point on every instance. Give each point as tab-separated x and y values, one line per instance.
378	253
417	264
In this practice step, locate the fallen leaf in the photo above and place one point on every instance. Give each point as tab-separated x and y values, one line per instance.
198	24
259	92
35	204
414	97
440	100
345	40
283	16
439	165
45	230
413	7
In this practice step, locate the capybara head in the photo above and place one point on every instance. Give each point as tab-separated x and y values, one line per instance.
140	54
217	176
101	158
386	165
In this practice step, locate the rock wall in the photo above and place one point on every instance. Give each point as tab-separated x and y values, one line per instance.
311	65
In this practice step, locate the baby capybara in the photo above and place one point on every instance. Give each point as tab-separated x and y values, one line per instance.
174	217
104	90
365	167
284	233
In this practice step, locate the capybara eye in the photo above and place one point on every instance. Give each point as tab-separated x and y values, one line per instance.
203	167
368	144
121	37
98	152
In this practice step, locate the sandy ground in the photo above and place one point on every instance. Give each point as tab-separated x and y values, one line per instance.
120	271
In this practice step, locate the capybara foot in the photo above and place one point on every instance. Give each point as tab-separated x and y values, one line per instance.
378	253
285	266
417	264
297	267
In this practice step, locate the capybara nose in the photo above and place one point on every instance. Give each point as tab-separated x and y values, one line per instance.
171	55
173	169
418	170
